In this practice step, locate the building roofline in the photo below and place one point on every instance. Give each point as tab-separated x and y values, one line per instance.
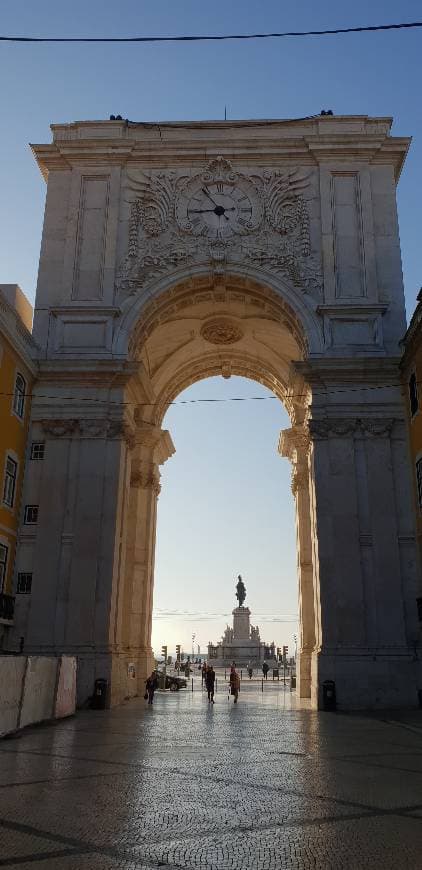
312	140
18	335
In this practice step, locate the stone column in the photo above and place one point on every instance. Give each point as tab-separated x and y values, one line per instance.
294	444
78	541
364	563
153	447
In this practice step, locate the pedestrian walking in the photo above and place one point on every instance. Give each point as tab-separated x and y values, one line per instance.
250	671
210	683
234	683
265	669
150	686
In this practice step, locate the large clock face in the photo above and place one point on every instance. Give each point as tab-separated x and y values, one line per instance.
218	210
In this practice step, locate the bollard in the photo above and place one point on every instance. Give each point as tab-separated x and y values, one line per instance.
192	684
262	685
241	675
225	674
216	685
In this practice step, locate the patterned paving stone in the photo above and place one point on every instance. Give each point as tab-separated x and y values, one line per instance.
185	785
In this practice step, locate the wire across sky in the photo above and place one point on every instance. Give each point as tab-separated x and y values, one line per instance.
404	25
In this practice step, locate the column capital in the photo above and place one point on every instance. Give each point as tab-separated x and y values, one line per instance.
294	443
146	475
300	480
155	440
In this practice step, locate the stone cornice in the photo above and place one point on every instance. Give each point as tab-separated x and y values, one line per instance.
105	373
319	371
307	141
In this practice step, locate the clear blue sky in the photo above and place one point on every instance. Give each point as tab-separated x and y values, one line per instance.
375	74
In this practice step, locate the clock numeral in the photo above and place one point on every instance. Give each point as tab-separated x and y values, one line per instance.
195	221
243	198
243	221
220	187
246	208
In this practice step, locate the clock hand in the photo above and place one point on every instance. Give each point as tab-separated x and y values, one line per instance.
204	190
221	210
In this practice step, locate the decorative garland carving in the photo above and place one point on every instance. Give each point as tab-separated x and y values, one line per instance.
60	428
344	427
162	238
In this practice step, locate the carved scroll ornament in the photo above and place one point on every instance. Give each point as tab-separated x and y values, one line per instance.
218	217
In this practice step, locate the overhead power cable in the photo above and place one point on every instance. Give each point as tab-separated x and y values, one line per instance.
220	400
405	25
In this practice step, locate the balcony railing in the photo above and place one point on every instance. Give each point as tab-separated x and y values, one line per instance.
7	607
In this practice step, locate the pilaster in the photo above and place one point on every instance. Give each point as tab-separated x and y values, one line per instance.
294	444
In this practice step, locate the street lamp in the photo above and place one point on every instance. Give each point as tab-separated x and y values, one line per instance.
193	647
295	640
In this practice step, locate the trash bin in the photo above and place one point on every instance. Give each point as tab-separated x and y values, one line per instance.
275	674
293	681
329	695
99	697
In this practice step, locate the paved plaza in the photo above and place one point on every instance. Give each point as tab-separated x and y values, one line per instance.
185	784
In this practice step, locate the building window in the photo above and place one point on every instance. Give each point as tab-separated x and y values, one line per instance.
19	396
24	582
10	481
419	481
37	450
413	394
30	516
3	565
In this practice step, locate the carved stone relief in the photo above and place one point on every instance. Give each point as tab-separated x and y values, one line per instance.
219	217
89	428
354	426
60	428
221	330
146	476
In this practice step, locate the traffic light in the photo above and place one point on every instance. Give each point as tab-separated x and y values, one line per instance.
178	652
285	650
164	653
278	653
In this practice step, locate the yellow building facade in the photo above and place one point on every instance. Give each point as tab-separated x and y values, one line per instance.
17	373
411	367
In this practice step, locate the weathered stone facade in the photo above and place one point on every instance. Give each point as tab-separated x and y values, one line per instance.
173	252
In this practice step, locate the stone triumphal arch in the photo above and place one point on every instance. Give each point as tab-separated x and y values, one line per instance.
177	251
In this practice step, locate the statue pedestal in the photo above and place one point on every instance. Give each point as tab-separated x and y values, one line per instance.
241	623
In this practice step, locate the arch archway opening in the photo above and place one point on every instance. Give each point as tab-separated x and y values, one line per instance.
196	330
225	508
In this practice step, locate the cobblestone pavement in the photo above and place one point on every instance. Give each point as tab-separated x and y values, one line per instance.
189	785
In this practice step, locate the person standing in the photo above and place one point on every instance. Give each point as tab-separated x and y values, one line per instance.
234	683
265	669
210	683
150	686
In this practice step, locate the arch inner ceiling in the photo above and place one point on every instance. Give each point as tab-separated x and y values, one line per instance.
202	328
